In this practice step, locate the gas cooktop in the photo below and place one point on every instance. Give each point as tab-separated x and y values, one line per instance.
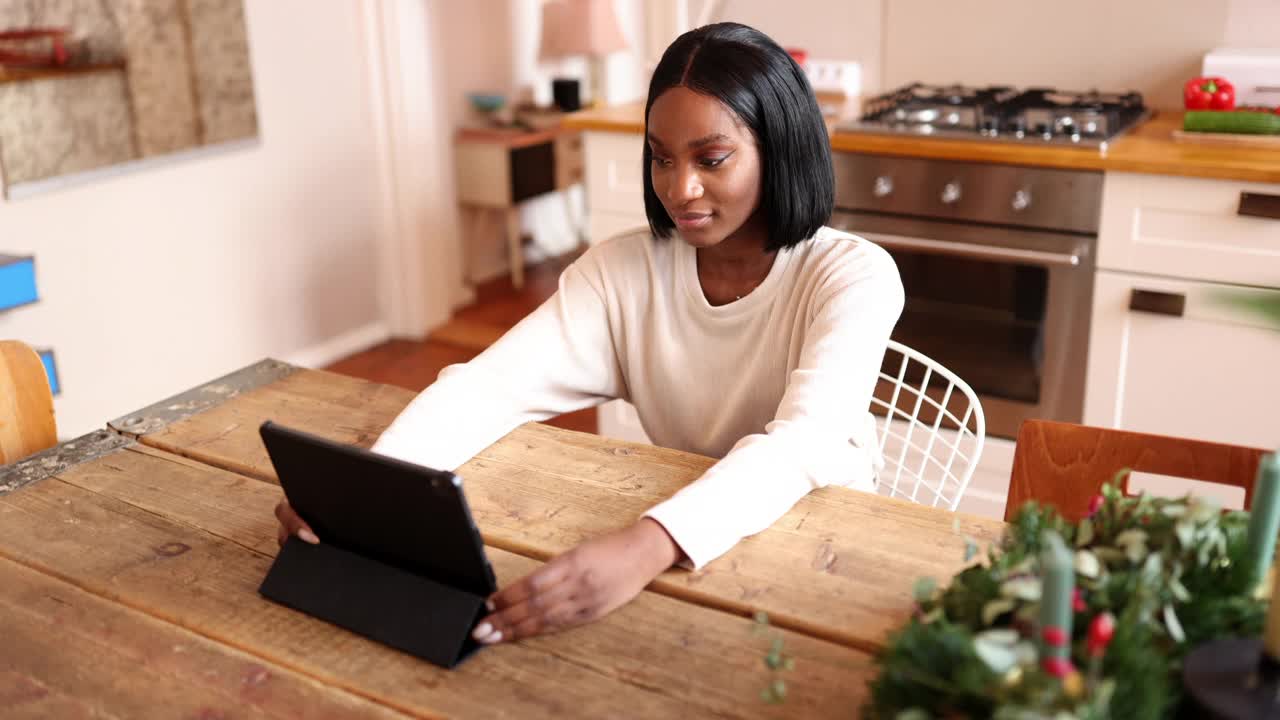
1037	115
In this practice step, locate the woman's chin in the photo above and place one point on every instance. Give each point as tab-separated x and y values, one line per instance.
704	235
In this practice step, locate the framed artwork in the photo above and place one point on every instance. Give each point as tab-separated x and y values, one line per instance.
90	84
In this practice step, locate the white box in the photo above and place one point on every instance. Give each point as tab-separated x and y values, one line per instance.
1255	73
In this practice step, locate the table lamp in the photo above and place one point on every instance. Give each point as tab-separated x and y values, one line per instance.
582	28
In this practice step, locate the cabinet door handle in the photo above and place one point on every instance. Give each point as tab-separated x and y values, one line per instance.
1259	205
1160	303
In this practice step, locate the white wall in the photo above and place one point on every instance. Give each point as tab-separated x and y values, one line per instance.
845	30
156	280
477	42
1152	46
1253	24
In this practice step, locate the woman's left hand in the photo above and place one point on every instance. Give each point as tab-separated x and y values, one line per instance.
581	585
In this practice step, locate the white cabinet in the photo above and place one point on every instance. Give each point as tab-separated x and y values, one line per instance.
615	184
614	172
1191	228
1169	356
1167	353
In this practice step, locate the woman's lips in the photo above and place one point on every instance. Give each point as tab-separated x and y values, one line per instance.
693	221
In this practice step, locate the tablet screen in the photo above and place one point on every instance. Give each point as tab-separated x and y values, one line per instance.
402	514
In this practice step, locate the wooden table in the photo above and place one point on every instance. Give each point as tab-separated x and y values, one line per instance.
130	560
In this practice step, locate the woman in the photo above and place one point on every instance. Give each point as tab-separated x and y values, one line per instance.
737	324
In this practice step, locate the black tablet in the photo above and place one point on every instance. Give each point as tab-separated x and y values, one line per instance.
404	515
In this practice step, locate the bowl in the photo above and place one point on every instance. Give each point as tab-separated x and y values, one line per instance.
487	102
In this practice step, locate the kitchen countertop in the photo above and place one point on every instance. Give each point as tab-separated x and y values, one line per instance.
1148	148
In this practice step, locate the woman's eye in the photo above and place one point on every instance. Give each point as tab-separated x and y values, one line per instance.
713	161
661	161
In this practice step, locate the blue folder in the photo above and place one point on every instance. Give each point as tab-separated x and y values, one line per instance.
17	281
50	369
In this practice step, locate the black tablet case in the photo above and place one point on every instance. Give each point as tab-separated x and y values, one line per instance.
400	560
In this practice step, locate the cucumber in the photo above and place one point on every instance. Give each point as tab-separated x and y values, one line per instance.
1239	121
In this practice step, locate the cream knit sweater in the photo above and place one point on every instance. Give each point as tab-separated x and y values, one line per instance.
777	384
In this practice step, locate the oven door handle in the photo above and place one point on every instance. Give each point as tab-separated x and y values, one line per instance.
970	250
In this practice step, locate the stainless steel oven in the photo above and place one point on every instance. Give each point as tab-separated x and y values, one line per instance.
997	262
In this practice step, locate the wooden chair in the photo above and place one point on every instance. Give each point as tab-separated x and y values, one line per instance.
1066	465
26	403
931	429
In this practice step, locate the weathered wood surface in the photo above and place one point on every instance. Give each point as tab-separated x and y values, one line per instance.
188	545
67	652
840	565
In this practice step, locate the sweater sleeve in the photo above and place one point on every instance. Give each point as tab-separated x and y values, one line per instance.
558	359
822	433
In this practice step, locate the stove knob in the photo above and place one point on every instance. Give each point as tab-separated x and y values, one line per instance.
1044	130
883	186
951	193
1018	127
1021	200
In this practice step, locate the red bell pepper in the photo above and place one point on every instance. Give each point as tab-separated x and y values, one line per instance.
1209	93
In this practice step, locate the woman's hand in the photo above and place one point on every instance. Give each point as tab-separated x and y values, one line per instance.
291	524
581	585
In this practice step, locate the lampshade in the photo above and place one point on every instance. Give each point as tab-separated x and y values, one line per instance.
573	28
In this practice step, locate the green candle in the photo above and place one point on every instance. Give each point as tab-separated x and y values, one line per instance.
1264	516
1057	568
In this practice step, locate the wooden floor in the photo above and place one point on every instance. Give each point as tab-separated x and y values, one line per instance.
498	307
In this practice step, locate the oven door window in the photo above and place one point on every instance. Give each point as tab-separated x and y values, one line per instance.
983	320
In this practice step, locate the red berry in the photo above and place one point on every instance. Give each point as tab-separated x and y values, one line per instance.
1054	636
1077	600
1101	631
1057	667
1096	504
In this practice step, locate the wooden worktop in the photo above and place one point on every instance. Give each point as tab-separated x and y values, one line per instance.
1148	148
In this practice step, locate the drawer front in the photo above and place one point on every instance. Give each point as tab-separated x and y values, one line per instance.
569	160
1216	230
604	225
615	182
532	171
483	172
1177	357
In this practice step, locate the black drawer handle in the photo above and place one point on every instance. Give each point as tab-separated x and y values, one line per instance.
1160	303
1259	205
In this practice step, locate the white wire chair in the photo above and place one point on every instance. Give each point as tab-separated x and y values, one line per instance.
931	437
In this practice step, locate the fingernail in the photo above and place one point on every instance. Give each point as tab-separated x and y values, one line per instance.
496	637
489	605
308	536
482	631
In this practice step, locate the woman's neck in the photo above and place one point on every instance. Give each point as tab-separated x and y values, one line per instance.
733	267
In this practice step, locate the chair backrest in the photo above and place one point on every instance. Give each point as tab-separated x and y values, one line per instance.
931	431
1066	465
26	403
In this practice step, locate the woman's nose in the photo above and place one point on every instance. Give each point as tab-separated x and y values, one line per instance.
686	186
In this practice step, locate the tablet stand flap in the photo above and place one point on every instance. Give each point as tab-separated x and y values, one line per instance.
404	610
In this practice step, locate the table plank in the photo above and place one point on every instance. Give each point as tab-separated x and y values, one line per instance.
22	697
190	544
96	658
840	565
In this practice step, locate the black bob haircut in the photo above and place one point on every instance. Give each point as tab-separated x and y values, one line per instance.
759	82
